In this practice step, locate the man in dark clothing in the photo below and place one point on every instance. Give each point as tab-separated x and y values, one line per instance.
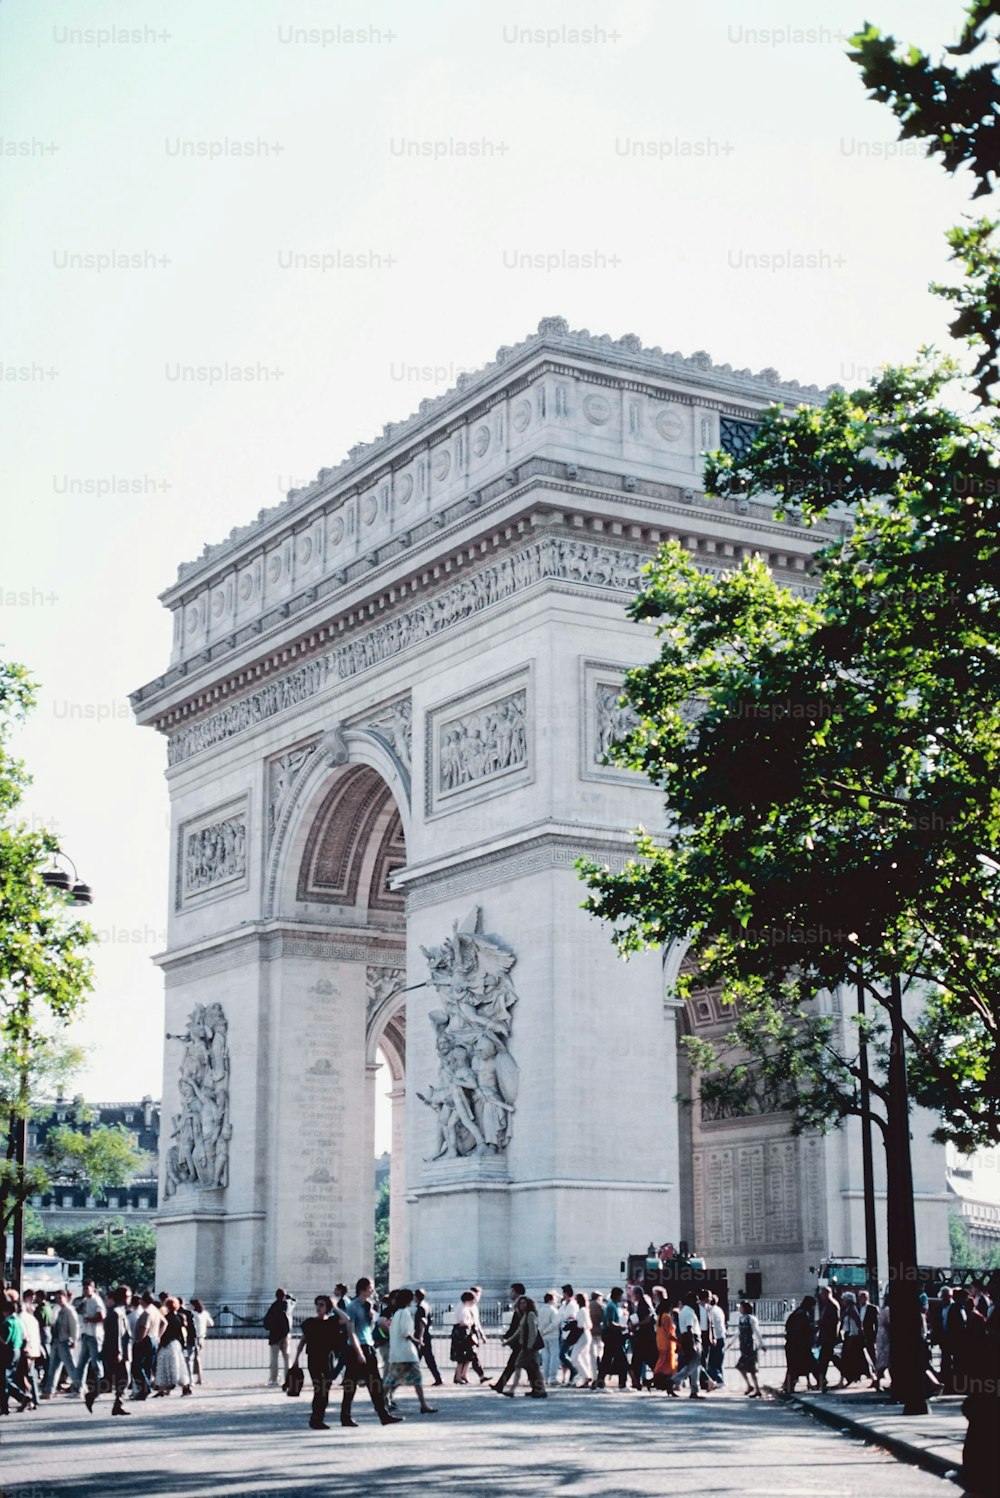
643	1336
365	1370
869	1325
278	1323
510	1338
422	1327
324	1336
613	1358
827	1333
114	1353
799	1332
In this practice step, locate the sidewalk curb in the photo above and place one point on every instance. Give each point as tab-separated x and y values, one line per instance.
902	1450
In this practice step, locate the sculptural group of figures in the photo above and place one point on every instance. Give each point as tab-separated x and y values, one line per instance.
484	743
215	853
201	1131
476	1087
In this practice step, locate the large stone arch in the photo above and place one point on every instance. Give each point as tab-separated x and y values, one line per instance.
327	759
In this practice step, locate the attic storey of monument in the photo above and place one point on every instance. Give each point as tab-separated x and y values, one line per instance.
386	712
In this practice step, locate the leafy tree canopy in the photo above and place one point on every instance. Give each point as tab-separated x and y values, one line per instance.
831	761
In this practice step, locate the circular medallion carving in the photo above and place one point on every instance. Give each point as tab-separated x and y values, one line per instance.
480	440
442	463
336	530
273	567
369	508
669	425
404	487
246	585
305	550
192	620
597	409
521	416
218	603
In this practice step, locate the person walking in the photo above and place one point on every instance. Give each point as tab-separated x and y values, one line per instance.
478	1336
403	1362
716	1342
548	1326
171	1365
92	1315
422	1318
614	1359
11	1344
643	1330
751	1343
869	1327
361	1314
827	1334
667	1343
31	1350
509	1338
689	1332
322	1336
582	1351
529	1344
114	1353
148	1326
854	1356
65	1336
202	1321
278	1322
461	1337
799	1333
882	1344
567	1329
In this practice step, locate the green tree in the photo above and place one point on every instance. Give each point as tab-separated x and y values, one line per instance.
382	1238
113	1251
45	972
831	763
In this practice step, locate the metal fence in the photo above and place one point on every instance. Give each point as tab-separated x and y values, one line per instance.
238	1340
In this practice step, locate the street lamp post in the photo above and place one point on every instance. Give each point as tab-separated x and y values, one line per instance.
74	892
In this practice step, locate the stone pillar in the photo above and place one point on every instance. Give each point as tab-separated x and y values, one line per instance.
366	1149
398	1268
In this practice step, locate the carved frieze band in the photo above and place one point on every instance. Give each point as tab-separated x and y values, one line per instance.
212	857
552	557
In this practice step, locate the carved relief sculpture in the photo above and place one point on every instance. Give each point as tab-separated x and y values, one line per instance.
215	855
283	772
476	1089
395	727
484	743
201	1133
382	983
615	719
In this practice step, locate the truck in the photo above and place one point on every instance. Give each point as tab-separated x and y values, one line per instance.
679	1275
48	1272
847	1272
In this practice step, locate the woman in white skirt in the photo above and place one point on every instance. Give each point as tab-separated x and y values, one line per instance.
171	1365
582	1352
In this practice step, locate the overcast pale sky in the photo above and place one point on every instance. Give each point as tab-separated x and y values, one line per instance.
676	149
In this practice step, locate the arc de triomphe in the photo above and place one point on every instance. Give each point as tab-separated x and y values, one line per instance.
385	709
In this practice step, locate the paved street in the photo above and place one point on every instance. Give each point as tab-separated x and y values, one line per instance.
239	1442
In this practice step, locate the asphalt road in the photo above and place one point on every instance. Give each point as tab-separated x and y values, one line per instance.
238	1442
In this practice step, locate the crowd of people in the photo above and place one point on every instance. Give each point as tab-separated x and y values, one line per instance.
851	1334
119	1345
645	1341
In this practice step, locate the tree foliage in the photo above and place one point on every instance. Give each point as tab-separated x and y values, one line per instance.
113	1251
831	762
382	1238
45	970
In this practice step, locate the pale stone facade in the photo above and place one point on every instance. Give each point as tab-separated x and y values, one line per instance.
386	707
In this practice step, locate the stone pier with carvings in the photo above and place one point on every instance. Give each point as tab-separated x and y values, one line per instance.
386	711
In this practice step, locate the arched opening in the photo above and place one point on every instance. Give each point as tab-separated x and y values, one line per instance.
340	988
